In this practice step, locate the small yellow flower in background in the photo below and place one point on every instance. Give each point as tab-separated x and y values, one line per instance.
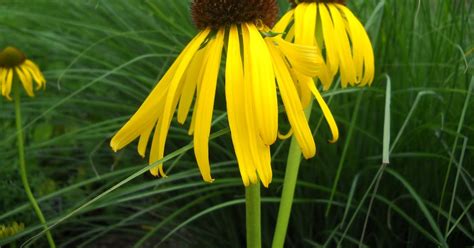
14	63
330	25
258	63
11	230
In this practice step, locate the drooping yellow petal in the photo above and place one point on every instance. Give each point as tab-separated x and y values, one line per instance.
25	81
264	88
234	91
147	113
282	25
326	111
256	145
363	51
287	135
28	76
193	118
3	80
293	107
347	68
205	106
305	24
161	130
145	135
193	75
145	116
36	73
305	34
304	59
143	140
265	160
155	152
8	84
202	69
332	56
303	91
290	36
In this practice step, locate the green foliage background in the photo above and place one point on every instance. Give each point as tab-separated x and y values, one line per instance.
102	57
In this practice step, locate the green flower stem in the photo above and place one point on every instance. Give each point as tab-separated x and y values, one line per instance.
21	157
289	185
252	210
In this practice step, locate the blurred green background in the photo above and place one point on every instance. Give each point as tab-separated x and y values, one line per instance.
101	58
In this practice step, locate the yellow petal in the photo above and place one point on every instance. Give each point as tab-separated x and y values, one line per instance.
193	118
193	75
326	111
256	145
347	68
2	72
205	105
36	73
263	85
28	76
8	84
147	114
285	136
290	36
143	141
304	59
161	130
305	24
332	56
204	60
303	91
3	80
266	166
363	51
305	34
293	107
282	24
234	77
25	81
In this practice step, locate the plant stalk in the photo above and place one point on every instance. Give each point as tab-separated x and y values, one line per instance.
288	192
252	207
22	163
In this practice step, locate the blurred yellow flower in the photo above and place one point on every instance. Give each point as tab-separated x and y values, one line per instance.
14	62
11	230
257	63
335	31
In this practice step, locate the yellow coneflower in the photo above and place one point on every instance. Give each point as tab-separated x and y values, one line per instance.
14	62
257	62
334	30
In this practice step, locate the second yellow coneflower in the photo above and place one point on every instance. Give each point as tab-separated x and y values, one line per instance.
14	62
337	33
257	63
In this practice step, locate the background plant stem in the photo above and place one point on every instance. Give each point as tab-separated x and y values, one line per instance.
22	163
289	185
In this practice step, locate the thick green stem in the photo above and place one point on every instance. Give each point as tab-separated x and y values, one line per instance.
289	185
22	163
252	207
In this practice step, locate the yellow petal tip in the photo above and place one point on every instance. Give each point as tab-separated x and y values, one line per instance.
154	172
210	180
